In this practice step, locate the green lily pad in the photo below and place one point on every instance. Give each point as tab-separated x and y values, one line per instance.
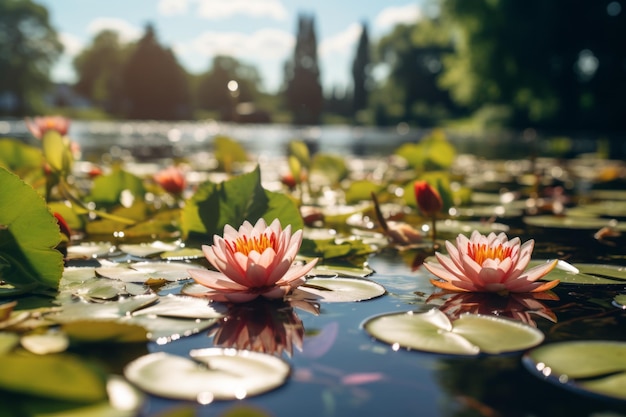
467	227
590	367
573	223
620	301
147	271
145	250
605	208
29	234
470	334
214	374
90	250
338	290
584	274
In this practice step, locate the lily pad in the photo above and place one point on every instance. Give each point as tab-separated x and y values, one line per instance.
573	223
147	271
338	290
184	307
585	274
144	250
90	250
594	367
620	301
214	374
470	334
467	227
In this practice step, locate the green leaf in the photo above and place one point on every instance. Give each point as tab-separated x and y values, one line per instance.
584	274
28	235
61	377
54	151
332	167
432	153
227	151
362	191
232	202
93	331
107	189
16	155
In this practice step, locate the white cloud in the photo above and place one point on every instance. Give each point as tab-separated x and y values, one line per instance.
264	43
172	7
220	9
341	43
72	45
391	16
266	49
126	31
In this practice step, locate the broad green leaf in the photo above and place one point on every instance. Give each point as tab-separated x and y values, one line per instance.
232	202
432	153
95	331
300	152
29	234
227	152
108	189
572	222
60	376
331	167
17	156
470	334
362	191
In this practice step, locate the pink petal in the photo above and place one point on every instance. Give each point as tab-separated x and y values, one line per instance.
214	280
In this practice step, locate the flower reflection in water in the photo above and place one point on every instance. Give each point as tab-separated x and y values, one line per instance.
517	306
262	325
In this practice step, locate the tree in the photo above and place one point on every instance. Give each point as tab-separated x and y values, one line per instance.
213	92
566	72
155	86
413	54
99	69
28	48
361	77
303	91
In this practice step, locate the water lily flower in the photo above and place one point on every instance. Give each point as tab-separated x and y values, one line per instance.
490	263
428	199
38	126
253	261
171	180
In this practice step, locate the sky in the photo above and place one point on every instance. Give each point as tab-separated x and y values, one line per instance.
256	32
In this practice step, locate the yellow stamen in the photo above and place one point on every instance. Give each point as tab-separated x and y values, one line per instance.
246	245
481	252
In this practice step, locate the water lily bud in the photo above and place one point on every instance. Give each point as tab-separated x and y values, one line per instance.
428	199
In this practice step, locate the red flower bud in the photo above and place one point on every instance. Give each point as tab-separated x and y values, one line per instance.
428	199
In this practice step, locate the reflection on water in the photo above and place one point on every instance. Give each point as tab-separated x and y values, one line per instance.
150	139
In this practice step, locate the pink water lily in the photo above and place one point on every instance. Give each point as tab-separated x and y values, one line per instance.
38	126
253	261
490	263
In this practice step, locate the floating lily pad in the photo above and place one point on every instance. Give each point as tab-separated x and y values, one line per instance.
573	223
470	334
45	343
339	289
182	254
341	271
585	274
215	374
620	301
588	367
166	329
599	209
184	307
147	271
467	227
144	250
90	250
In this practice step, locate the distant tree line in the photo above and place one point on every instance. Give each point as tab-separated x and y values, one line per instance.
544	64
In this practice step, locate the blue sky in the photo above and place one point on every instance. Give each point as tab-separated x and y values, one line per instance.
257	32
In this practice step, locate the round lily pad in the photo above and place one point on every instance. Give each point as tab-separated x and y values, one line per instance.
593	367
572	222
144	250
147	271
620	301
467	227
585	274
214	374
470	334
339	289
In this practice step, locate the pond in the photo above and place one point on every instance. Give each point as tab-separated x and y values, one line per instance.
573	209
